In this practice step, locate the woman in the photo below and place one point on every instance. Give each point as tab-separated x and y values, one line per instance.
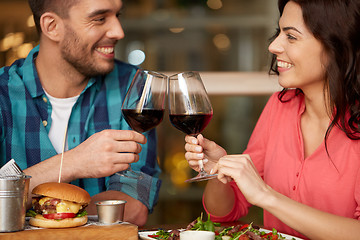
302	163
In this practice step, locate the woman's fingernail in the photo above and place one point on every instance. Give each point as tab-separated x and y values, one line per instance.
198	149
205	160
199	155
201	164
194	141
211	171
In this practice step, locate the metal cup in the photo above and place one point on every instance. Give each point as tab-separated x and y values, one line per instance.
13	196
110	211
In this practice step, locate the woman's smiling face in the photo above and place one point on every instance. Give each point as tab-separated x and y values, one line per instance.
300	56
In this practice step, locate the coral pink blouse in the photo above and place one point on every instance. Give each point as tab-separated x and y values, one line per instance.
276	147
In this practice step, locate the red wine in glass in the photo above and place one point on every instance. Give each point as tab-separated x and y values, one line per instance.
191	124
143	121
190	109
144	104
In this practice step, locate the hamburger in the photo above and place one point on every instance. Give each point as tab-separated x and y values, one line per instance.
59	205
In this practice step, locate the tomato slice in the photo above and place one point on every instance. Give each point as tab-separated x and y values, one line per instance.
59	215
243	227
270	235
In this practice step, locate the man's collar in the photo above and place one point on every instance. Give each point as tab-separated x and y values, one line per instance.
30	75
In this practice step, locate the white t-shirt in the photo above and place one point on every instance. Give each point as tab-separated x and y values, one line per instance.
61	110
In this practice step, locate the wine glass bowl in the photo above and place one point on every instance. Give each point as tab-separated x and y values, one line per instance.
144	120
191	124
190	109
144	103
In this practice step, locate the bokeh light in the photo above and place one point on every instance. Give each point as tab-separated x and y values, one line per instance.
136	57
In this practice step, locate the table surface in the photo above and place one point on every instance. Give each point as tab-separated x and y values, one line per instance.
122	231
116	231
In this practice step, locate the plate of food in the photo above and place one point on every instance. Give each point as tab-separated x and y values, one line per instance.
238	232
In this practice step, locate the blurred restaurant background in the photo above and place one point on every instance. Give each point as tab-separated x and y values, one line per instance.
226	40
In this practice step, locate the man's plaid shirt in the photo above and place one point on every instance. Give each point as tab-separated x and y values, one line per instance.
25	122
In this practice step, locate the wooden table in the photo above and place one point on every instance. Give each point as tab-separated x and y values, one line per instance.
87	232
123	231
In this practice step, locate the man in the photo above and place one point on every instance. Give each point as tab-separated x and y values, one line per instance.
70	85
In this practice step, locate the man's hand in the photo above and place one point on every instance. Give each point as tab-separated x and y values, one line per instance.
104	153
101	155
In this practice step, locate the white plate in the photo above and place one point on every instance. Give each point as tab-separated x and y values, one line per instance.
145	235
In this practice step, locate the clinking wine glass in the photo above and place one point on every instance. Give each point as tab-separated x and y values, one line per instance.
190	109
143	106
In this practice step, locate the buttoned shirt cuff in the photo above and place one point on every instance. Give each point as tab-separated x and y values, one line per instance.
145	189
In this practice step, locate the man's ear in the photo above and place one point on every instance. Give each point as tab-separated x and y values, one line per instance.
51	26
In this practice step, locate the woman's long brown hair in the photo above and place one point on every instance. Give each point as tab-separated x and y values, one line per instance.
335	23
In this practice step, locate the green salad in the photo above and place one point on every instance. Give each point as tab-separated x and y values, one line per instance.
238	232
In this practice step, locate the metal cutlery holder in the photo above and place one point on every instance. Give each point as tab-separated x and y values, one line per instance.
14	192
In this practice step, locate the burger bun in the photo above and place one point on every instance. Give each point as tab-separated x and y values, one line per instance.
40	221
64	191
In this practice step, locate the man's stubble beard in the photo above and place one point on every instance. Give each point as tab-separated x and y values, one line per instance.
79	56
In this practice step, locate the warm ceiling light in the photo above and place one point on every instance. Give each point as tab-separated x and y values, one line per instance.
18	39
24	49
176	30
214	4
30	21
222	41
11	40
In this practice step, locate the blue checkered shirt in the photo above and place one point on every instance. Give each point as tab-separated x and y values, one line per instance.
25	122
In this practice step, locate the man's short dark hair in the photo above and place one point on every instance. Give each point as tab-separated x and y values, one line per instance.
60	7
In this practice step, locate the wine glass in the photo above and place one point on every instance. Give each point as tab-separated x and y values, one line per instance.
190	109
143	106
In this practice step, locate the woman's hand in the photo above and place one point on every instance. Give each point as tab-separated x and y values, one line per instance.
200	148
241	169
